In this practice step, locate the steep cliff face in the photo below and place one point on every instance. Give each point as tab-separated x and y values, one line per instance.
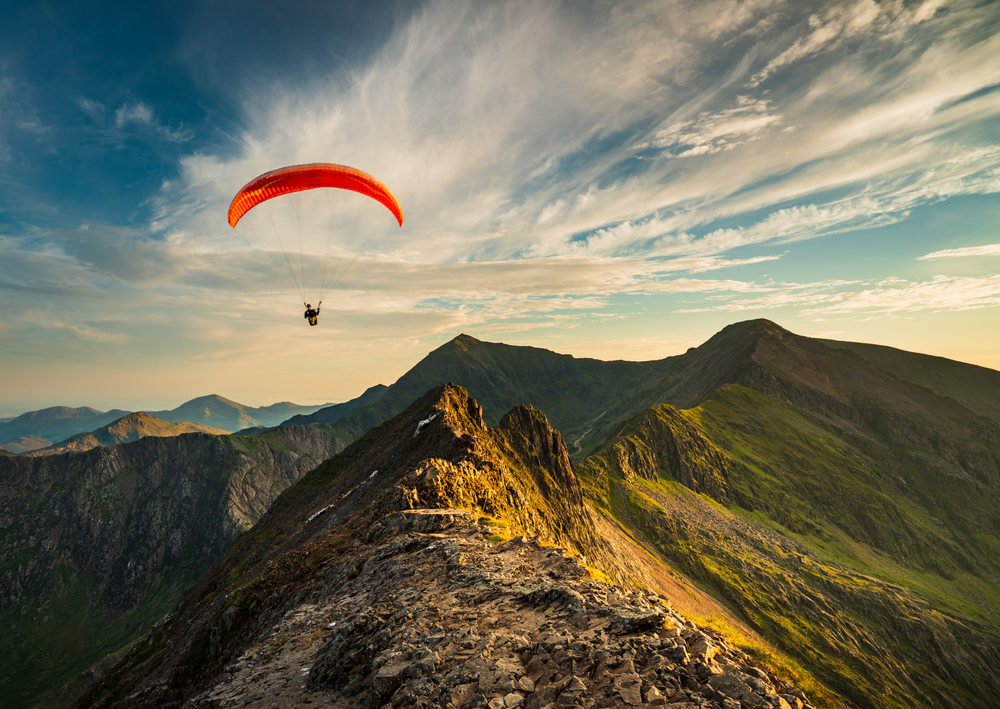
368	584
95	544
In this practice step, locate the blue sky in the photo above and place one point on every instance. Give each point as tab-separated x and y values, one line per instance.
610	179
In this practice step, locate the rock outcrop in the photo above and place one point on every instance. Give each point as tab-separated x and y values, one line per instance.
429	613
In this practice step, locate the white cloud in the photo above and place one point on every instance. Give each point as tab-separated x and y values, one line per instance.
886	297
711	133
942	293
840	22
136	112
986	250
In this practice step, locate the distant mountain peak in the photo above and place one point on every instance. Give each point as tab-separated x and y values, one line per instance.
215	398
751	330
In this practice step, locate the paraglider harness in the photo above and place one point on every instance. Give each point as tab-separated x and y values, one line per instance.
312	315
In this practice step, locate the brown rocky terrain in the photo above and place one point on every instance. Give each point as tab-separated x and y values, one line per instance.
383	578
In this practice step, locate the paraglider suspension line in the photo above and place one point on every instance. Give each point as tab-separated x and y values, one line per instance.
357	252
298	226
274	264
278	236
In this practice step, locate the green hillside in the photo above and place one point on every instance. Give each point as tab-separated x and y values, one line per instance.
809	540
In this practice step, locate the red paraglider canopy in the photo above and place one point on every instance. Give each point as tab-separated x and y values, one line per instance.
296	178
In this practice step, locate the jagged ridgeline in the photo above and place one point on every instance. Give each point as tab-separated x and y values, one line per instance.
388	577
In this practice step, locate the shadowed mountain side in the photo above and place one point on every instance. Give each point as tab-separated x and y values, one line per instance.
976	388
126	429
368	584
54	424
589	399
857	579
94	546
570	391
329	414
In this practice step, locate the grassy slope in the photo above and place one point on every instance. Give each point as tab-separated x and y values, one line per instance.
75	635
812	547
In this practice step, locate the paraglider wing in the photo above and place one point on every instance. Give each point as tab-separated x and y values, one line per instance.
307	177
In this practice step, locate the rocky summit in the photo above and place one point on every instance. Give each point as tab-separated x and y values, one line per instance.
434	563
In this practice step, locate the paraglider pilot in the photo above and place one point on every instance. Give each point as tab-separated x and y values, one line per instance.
312	315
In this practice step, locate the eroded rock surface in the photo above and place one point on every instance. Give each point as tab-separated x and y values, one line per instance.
431	614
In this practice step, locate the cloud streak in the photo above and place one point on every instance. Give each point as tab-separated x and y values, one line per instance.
964	252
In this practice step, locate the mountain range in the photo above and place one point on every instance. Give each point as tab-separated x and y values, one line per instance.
830	510
39	429
128	428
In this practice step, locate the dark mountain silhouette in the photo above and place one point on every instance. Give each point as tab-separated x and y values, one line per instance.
976	388
329	414
571	391
588	399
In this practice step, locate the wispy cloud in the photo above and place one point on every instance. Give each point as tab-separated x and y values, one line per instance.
886	297
497	131
986	250
842	22
19	117
139	115
711	133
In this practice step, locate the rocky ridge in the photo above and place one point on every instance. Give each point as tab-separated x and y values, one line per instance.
429	612
383	579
